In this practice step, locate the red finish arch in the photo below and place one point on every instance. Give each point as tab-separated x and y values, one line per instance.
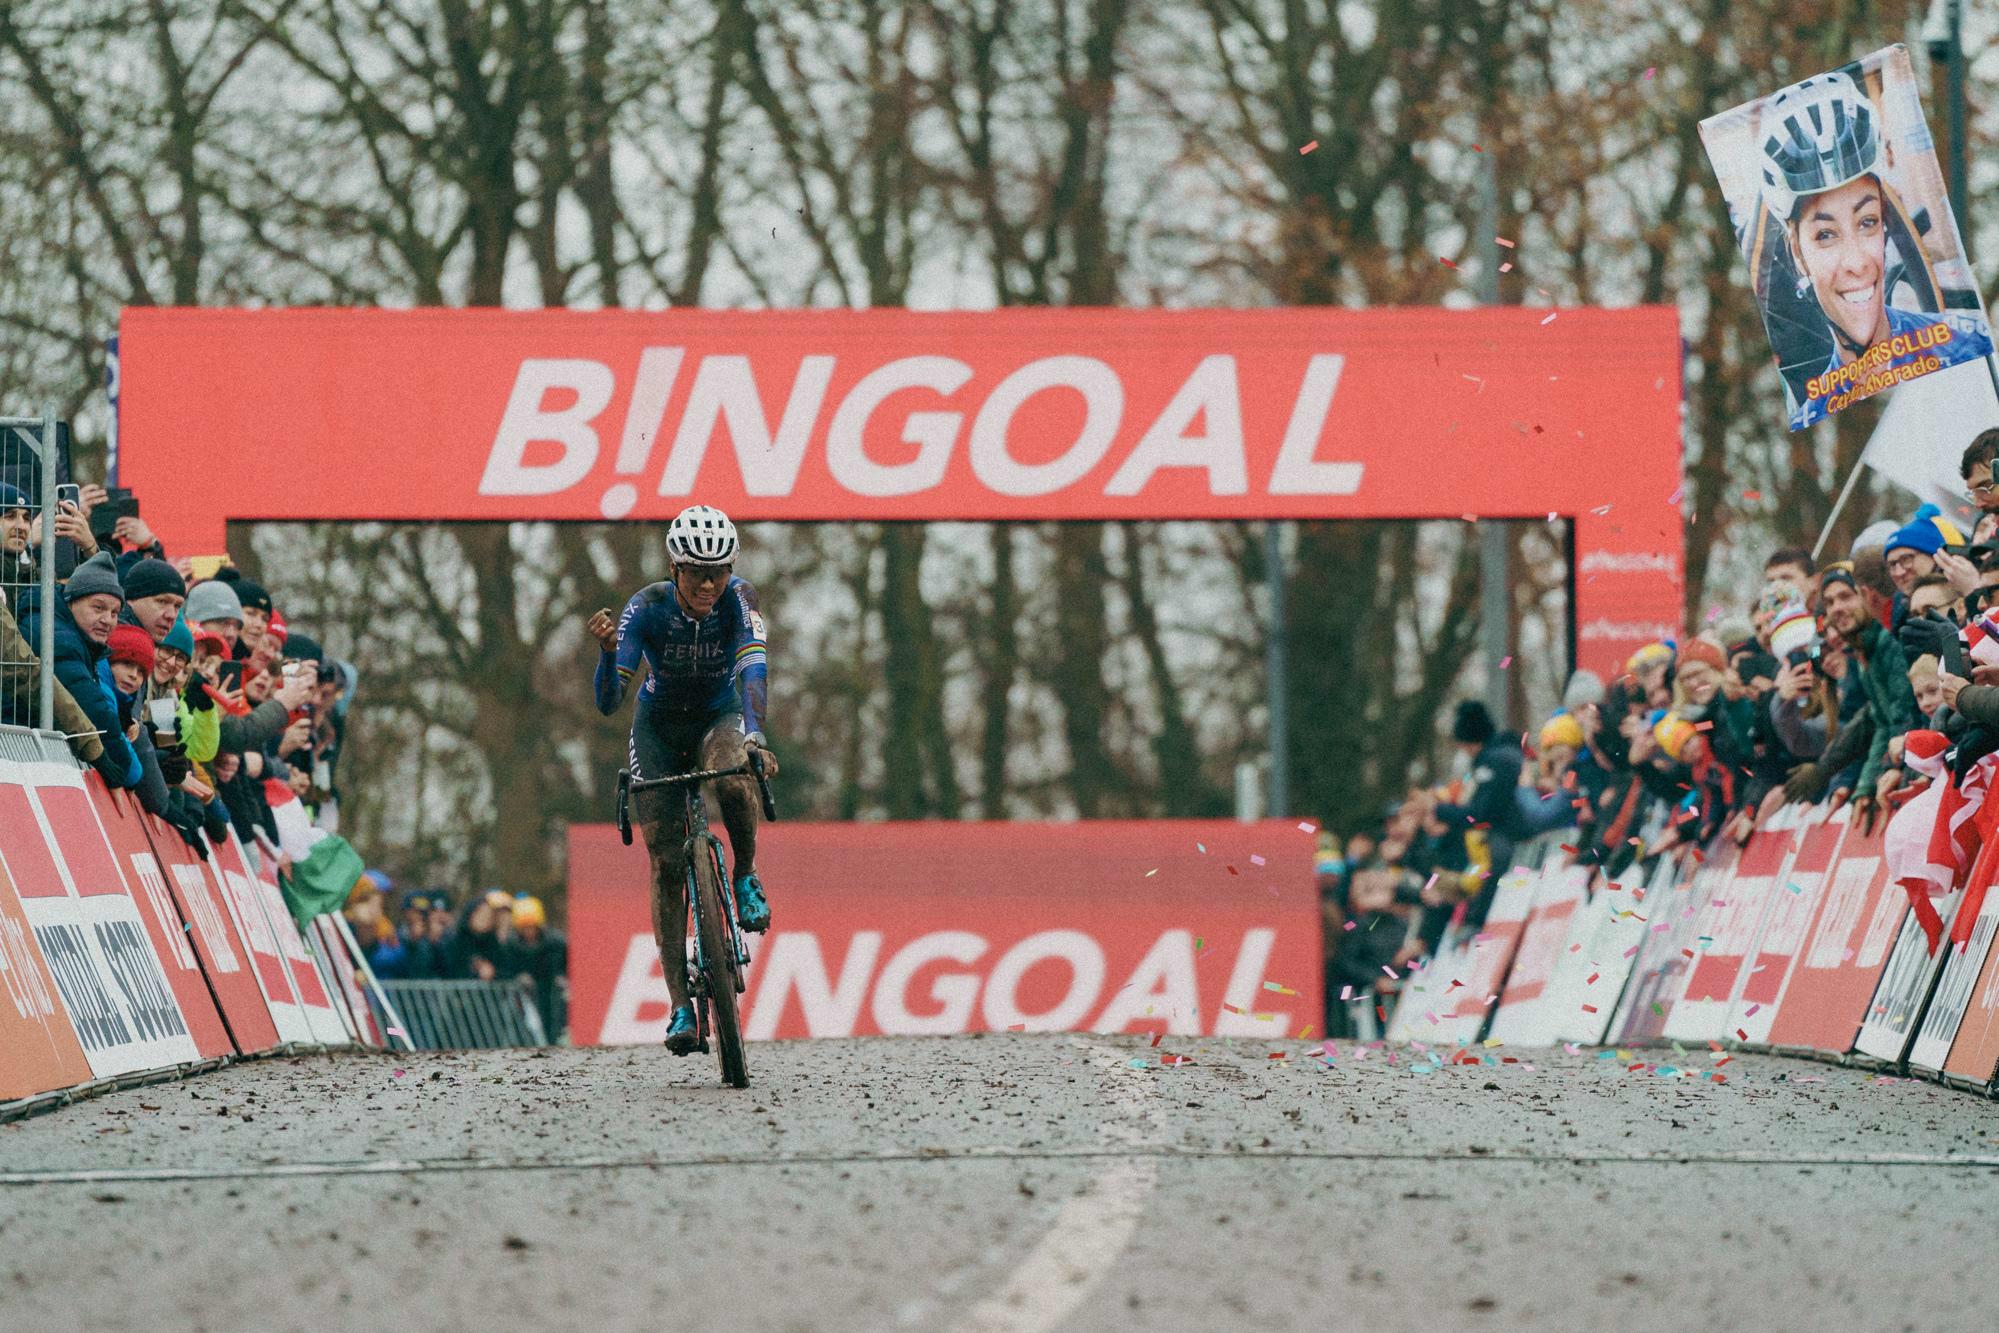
427	415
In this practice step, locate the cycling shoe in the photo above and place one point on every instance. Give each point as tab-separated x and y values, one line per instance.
681	1038
752	911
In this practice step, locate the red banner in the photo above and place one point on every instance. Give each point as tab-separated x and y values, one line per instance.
422	415
307	983
38	1048
1846	948
244	899
124	857
1182	926
224	952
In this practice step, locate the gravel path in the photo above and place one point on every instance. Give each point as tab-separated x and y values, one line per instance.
1015	1182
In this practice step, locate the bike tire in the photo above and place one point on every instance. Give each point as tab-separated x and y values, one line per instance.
718	961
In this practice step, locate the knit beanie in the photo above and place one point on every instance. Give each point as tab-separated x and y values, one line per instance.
251	596
13	497
277	628
1929	531
180	638
213	600
1472	725
153	578
1651	655
1673	732
95	575
1585	688
1703	650
1561	729
303	648
129	643
1791	628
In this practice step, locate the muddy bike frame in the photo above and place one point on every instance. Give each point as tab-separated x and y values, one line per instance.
706	977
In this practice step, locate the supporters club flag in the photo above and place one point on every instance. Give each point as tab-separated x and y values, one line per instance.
1841	213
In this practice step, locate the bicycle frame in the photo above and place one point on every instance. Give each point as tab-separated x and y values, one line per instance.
701	841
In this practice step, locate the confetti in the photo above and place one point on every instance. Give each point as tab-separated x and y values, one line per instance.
1503	241
1279	987
401	1072
1551	317
1150	873
1255	860
1197	944
1156	1036
1506	268
397	1032
1022	1027
1308	148
1650	70
1506	662
1308	828
1201	847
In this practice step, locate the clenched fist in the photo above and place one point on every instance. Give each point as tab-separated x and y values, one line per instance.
604	630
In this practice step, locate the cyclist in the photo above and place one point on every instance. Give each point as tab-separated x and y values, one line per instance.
702	706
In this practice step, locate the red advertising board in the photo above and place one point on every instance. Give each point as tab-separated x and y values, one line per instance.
122	855
1846	947
1183	926
38	1048
244	900
225	954
97	943
1793	902
894	414
307	982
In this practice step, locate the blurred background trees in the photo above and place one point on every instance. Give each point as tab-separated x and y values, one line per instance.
930	153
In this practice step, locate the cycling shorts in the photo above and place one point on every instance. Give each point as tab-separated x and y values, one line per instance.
664	744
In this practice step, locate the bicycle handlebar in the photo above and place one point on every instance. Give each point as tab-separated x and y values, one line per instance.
754	768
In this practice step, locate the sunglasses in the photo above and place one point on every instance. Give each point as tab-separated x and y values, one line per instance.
706	573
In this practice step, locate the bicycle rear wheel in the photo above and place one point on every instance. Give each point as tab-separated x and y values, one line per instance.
718	962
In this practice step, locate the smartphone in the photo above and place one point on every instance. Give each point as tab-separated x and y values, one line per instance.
232	675
69	493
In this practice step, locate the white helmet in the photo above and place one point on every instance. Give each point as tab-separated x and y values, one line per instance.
1822	134
701	535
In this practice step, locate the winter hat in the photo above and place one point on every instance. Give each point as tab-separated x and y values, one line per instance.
1472	725
211	639
1875	535
1673	732
1561	729
1651	655
180	638
1791	628
1703	650
95	575
1585	688
153	578
528	911
213	600
251	595
303	648
1929	532
13	497
129	643
278	628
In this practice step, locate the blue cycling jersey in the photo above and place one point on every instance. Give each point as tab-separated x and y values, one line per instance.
706	666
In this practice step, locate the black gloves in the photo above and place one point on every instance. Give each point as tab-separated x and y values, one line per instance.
174	764
1930	633
197	696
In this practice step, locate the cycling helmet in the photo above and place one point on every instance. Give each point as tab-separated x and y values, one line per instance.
701	535
1822	134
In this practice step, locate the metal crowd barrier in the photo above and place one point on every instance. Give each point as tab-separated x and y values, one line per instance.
463	1015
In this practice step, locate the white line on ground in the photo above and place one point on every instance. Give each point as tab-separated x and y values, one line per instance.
1091	1230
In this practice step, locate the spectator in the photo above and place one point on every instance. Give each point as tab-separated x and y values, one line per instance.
481	947
1878	671
212	606
1913	552
1932	593
1790	568
86	611
16	521
541	955
1976	468
154	594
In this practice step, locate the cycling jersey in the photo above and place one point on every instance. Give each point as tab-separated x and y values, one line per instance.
705	667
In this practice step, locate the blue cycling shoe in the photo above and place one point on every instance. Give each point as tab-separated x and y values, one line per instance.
681	1038
752	912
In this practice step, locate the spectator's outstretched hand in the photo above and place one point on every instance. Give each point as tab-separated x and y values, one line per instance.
604	630
297	736
297	689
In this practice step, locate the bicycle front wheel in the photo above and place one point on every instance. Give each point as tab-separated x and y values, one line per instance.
718	964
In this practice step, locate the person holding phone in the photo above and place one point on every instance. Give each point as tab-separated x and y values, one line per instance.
86	611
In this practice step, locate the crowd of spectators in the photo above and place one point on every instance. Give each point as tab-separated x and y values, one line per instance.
1808	694
193	693
493	936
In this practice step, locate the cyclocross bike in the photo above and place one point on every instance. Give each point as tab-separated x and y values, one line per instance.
721	961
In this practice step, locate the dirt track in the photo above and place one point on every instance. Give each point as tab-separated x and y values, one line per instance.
1018	1182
